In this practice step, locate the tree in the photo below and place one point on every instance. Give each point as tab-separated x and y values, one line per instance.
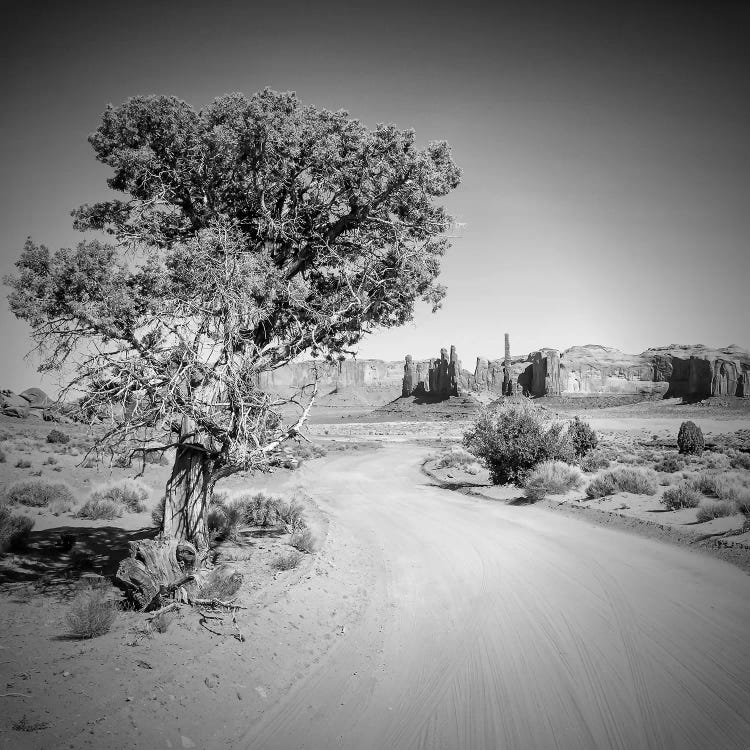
251	232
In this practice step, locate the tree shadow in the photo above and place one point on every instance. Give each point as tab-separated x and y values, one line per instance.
57	556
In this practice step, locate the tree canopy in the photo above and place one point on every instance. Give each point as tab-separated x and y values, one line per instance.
248	233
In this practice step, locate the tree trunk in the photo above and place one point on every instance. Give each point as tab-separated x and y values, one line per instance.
188	491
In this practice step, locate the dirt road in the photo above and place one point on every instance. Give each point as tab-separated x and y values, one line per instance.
496	626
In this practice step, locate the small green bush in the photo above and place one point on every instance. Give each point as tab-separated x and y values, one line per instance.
552	478
683	495
14	529
38	493
583	437
515	438
91	614
594	461
635	481
709	511
57	436
97	509
670	464
690	439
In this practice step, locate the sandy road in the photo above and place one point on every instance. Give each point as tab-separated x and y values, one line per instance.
496	626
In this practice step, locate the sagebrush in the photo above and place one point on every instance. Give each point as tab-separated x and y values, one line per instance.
38	493
91	614
635	481
552	478
14	529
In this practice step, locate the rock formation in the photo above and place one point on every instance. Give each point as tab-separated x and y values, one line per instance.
409	383
441	378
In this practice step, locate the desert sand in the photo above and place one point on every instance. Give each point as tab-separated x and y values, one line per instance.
427	618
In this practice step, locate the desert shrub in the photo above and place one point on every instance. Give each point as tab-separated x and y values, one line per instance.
260	508
552	478
3	457
304	540
711	510
716	461
91	614
291	515
96	509
157	514
513	439
636	481
456	458
582	436
22	463
14	529
690	438
287	561
57	436
670	464
129	493
223	583
50	461
739	460
61	505
225	521
683	495
38	493
594	461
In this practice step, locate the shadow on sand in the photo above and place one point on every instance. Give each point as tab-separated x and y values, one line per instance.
48	562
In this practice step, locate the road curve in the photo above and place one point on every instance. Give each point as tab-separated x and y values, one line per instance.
496	626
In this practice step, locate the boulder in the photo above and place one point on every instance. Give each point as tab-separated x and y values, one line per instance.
37	398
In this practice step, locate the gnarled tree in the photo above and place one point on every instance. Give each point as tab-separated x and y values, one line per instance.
250	233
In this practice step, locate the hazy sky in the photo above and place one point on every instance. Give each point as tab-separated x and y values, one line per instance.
605	146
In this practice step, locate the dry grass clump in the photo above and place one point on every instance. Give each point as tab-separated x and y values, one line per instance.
38	493
3	457
716	461
223	584
91	614
304	540
458	458
100	509
683	495
129	493
726	487
287	561
14	529
711	510
635	481
552	478
22	463
594	461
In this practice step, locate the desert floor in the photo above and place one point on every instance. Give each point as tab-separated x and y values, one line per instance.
428	618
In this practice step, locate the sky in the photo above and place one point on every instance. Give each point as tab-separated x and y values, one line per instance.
604	146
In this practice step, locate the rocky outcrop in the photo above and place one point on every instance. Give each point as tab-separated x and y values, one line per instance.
441	378
33	402
695	371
